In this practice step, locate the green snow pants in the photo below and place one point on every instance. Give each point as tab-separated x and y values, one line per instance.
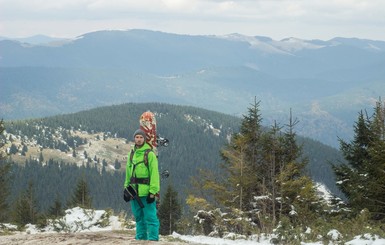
147	222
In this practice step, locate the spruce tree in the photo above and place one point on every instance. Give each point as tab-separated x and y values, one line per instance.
350	176
25	207
2	140
264	170
81	196
117	164
13	149
244	163
24	150
4	179
362	177
375	163
233	192
377	156
56	210
41	157
239	179
4	193
298	195
169	211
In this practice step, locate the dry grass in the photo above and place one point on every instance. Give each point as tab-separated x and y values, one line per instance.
109	149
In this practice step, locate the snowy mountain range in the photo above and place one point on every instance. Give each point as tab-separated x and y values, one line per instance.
325	83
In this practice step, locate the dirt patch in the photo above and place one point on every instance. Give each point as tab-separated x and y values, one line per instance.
104	237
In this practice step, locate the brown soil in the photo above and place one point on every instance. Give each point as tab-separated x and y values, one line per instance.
104	237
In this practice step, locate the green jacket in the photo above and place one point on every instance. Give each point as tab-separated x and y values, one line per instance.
142	171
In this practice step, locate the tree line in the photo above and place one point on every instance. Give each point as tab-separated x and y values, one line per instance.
54	183
43	190
263	178
193	145
266	184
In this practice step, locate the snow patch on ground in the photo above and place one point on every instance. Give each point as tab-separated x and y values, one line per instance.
78	220
220	241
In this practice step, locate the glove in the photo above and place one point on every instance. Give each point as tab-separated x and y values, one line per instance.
126	196
150	198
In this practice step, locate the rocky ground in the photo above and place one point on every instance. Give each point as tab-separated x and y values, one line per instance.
94	238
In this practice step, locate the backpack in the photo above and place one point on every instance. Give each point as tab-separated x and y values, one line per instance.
145	159
135	180
144	180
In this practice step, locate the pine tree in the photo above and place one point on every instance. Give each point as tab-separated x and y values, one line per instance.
232	192
117	164
361	178
81	196
238	181
169	211
4	179
3	140
24	150
4	193
243	161
25	207
104	162
264	170
350	176
56	210
85	154
13	149
41	157
375	163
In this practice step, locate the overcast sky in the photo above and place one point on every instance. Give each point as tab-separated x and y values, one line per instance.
278	19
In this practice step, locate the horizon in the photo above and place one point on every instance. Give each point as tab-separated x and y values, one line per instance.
41	35
278	19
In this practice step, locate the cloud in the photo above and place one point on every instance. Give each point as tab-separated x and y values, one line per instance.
201	16
336	9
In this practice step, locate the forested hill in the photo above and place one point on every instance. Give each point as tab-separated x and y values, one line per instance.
196	137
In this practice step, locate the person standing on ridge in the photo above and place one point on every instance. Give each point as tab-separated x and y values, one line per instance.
142	174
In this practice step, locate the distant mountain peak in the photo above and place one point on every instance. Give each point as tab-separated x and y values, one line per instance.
262	44
372	45
295	44
287	46
38	39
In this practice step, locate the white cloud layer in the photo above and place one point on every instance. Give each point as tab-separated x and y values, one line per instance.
307	19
